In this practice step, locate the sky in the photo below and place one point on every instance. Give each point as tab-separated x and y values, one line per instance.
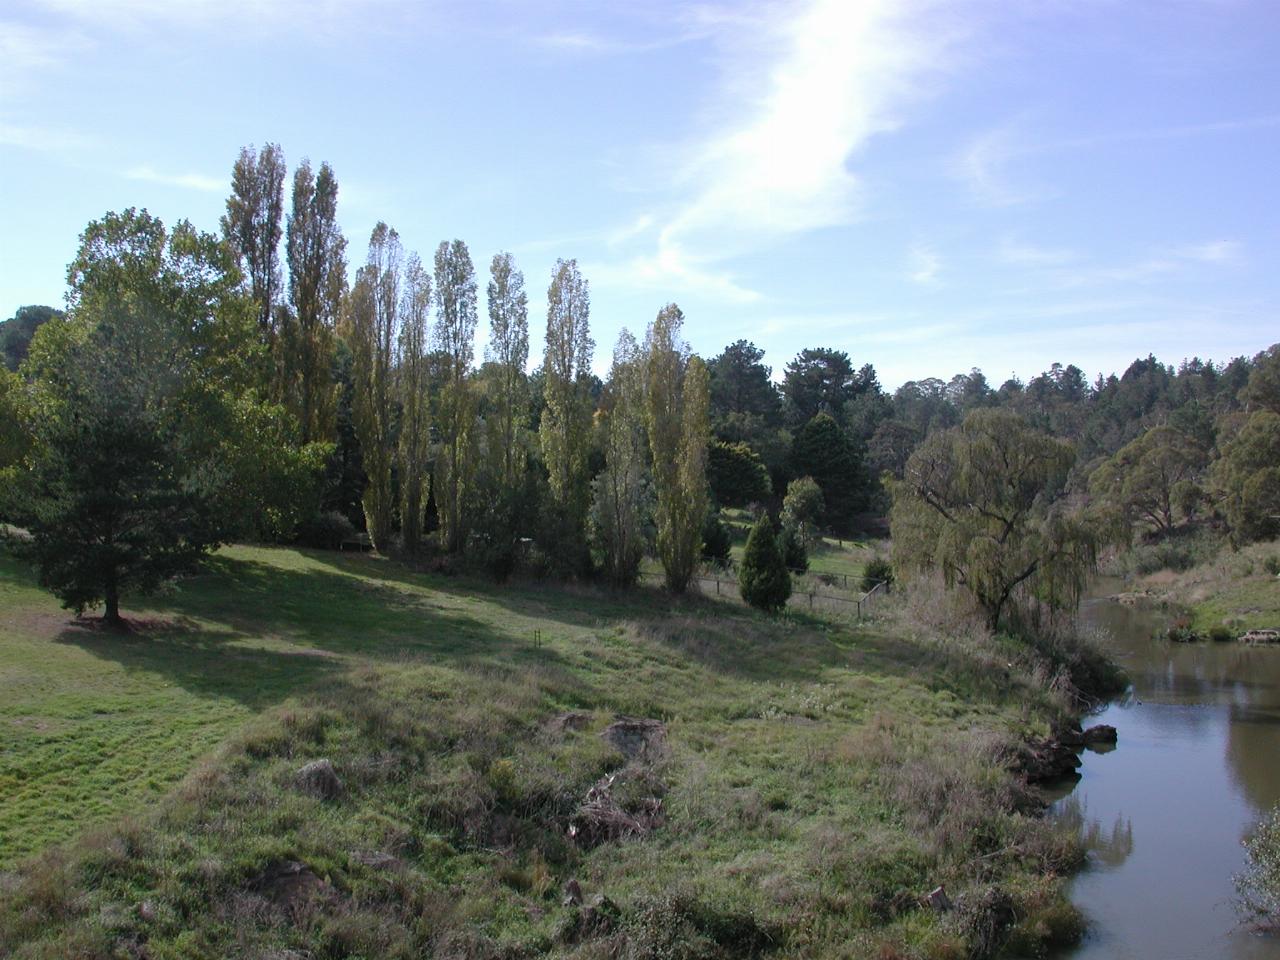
929	185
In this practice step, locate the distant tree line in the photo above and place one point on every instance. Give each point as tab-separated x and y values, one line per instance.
254	385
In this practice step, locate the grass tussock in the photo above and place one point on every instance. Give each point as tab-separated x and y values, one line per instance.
807	780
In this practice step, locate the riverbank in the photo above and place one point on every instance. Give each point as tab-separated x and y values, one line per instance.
514	771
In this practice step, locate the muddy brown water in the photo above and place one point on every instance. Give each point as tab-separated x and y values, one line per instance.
1163	814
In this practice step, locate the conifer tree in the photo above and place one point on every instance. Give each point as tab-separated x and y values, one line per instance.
763	579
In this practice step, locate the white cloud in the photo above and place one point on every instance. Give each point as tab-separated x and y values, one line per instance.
1215	251
983	164
1019	252
803	90
41	138
191	181
923	264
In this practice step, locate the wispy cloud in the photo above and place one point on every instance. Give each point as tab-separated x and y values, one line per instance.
190	181
42	138
1029	254
811	88
1158	265
923	264
983	164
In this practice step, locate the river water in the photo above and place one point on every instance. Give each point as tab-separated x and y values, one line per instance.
1163	814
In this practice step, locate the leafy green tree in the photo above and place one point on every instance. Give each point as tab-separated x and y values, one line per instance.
566	420
413	394
1248	478
315	250
763	579
373	324
144	413
802	509
1142	480
676	400
823	451
984	503
821	380
717	539
1263	389
455	340
16	332
737	475
622	499
251	225
508	353
14	438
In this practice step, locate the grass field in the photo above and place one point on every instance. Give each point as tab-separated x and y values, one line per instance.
816	776
1235	589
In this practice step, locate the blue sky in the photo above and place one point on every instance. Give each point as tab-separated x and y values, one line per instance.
928	185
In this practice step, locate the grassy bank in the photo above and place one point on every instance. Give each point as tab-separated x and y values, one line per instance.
1238	590
809	778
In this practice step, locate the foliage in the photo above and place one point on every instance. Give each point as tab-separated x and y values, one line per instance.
14	438
413	395
802	509
455	338
315	251
251	225
508	353
622	500
877	571
676	417
795	550
736	474
1263	389
763	579
149	443
717	539
1248	477
17	332
326	531
822	380
983	503
1259	884
372	325
822	450
1148	477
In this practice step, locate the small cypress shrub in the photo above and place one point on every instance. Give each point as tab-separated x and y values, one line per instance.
717	539
794	554
763	579
877	570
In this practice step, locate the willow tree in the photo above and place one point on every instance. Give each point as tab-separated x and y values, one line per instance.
455	338
315	250
984	503
251	225
412	381
676	402
371	335
621	500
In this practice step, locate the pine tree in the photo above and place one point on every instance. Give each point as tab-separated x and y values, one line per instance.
763	579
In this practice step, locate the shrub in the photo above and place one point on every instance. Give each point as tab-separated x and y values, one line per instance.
763	579
1220	634
717	539
1272	566
878	570
794	554
1259	885
326	531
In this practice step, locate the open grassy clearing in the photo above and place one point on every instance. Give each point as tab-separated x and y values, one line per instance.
814	777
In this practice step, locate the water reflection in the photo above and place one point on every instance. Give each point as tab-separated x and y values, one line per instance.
1163	815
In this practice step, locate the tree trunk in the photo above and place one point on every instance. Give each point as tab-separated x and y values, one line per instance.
112	615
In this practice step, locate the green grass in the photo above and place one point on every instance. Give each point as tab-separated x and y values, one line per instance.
820	775
1235	589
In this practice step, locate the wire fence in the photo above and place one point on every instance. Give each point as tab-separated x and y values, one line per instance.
803	595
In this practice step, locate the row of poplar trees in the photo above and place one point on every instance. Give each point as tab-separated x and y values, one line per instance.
595	477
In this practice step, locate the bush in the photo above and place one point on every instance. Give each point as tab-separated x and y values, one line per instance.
1259	885
794	554
1220	634
327	531
717	539
878	570
1272	566
763	579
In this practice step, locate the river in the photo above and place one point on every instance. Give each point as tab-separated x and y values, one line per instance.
1163	813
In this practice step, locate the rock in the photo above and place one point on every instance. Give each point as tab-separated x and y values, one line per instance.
573	721
637	739
1046	761
1100	733
600	916
291	884
1261	636
1069	734
147	910
319	779
572	893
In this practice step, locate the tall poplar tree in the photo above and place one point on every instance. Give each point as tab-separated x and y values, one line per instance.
251	225
676	413
566	424
373	324
455	338
621	504
315	250
508	353
413	379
